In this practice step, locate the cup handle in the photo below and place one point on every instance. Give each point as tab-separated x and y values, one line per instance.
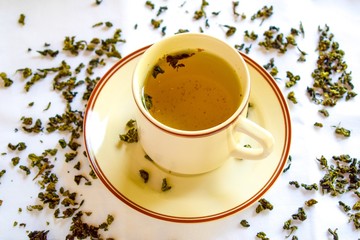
262	136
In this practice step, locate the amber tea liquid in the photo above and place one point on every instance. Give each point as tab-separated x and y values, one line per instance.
192	90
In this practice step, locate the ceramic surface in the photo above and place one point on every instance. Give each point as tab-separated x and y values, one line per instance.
231	188
203	150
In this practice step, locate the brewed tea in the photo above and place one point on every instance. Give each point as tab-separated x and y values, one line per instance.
192	90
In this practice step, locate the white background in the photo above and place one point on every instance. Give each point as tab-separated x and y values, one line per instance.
50	21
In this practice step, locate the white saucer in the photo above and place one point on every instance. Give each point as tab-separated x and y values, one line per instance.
227	190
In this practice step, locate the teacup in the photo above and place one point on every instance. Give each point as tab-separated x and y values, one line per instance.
202	147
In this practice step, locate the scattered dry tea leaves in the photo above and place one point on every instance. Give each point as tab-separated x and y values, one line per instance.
7	82
21	19
263	205
244	223
332	80
264	13
131	135
201	12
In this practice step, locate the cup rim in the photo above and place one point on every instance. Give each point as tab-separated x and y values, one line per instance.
190	133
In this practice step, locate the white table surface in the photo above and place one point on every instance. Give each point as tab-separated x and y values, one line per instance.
50	21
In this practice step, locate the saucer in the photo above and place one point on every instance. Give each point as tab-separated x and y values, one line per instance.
197	198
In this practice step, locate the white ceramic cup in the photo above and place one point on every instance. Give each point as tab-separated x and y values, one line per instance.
195	152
